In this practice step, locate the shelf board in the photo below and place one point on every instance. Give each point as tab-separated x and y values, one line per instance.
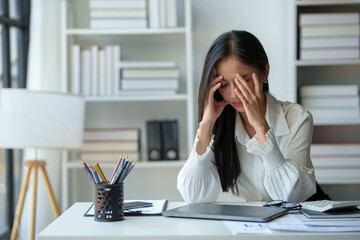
139	164
145	31
309	63
320	3
137	98
336	122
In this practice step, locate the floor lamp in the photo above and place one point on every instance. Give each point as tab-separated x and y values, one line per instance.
36	119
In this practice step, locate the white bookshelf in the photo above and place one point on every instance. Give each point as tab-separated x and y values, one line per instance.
163	44
325	72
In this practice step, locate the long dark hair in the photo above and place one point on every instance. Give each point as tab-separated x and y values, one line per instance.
248	49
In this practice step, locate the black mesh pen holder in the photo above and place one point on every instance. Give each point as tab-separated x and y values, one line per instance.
109	202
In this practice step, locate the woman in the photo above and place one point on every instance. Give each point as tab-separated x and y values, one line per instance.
247	142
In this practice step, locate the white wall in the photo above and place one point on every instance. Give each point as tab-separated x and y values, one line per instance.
266	19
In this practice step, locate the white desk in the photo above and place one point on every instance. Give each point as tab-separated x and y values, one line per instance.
72	225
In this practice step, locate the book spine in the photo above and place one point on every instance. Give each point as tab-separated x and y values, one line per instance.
86	72
328	18
95	70
75	69
330	30
112	4
326	102
329	42
335	150
154	13
329	90
116	23
117	57
109	69
150	84
171	14
332	53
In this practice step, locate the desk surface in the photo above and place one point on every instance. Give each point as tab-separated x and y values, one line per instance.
72	225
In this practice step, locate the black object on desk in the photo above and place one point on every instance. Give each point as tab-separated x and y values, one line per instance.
226	212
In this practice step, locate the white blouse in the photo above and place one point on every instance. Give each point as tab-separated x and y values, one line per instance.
280	170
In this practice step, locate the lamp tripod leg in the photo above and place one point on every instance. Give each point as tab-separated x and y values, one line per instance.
20	204
50	193
33	205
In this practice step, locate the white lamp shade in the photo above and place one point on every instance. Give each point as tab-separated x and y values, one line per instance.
35	119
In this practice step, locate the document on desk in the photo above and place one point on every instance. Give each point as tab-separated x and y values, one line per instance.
298	222
158	206
295	222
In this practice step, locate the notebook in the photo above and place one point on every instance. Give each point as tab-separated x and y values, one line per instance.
226	212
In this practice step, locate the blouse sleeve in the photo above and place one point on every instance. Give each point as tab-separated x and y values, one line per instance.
198	180
289	178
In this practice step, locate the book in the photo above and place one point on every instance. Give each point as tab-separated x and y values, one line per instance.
335	149
330	102
75	69
85	72
116	80
330	42
118	13
151	73
109	72
335	113
107	156
147	64
149	84
102	73
141	92
163	13
329	90
171	14
126	146
94	70
328	18
154	13
113	4
94	134
329	53
338	175
335	161
118	23
330	30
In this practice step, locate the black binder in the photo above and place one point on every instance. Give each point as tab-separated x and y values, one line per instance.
154	140
170	140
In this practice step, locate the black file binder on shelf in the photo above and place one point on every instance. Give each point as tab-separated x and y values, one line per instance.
163	140
154	140
170	140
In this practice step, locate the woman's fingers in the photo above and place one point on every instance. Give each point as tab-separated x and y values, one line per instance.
244	91
258	92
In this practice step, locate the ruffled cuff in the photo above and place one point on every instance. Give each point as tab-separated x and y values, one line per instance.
198	163
269	152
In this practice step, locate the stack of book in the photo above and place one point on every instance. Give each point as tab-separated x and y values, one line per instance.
329	36
152	77
332	103
117	14
108	144
336	162
162	13
94	71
